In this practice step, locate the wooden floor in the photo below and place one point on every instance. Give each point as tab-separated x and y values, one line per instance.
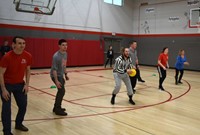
173	112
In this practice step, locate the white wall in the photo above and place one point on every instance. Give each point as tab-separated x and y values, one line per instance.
92	15
158	21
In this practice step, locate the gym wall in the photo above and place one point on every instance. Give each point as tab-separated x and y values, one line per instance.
84	23
87	22
161	23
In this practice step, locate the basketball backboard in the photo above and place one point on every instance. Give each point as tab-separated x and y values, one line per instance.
46	7
194	18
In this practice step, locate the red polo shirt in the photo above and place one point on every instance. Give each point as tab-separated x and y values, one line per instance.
15	65
163	59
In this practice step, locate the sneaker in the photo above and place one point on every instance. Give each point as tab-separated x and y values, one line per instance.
134	91
7	133
161	88
140	80
62	109
21	128
113	99
131	101
60	113
180	82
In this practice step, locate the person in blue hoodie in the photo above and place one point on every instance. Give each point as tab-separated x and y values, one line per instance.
179	66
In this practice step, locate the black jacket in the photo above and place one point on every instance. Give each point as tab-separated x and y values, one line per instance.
110	53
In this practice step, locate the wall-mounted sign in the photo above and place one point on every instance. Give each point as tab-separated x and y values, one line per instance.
192	2
174	19
149	10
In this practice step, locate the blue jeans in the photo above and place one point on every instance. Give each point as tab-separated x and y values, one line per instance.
21	100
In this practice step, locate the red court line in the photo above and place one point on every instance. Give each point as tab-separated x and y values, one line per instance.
98	96
97	114
112	112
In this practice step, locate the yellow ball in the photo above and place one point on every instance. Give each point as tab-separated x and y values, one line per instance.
133	73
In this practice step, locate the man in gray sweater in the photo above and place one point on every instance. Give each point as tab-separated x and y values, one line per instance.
58	70
134	58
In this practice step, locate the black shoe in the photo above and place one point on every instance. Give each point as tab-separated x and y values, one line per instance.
62	109
131	101
7	133
161	87
176	82
21	128
60	112
113	99
140	80
180	82
134	91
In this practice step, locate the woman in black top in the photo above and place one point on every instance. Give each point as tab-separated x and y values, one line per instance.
110	55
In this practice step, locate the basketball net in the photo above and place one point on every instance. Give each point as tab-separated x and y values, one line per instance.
38	14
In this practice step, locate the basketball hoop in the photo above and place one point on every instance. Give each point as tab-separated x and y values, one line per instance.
38	14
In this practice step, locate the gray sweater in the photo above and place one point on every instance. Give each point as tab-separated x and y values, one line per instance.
59	63
133	55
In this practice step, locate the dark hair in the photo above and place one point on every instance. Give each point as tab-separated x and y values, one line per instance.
15	38
131	42
180	51
61	41
164	49
122	50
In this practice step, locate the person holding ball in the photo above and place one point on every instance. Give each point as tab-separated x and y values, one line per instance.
121	71
179	66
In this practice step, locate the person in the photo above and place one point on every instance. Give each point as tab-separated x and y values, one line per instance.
13	67
162	66
110	55
5	48
58	70
179	66
122	67
134	58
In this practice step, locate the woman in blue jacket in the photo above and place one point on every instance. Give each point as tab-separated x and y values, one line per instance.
179	66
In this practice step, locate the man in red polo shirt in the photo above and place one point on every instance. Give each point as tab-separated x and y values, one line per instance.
13	67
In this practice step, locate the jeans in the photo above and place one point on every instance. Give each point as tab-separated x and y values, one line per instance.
21	100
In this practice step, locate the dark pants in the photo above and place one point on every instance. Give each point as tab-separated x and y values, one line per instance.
134	79
60	93
177	73
138	74
109	59
21	100
162	75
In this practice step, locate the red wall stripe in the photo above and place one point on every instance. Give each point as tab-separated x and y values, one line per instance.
80	52
95	33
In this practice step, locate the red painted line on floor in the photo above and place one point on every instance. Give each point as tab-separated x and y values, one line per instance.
98	114
83	70
111	112
100	95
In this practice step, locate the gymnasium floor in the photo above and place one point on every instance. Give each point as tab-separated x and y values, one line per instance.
173	112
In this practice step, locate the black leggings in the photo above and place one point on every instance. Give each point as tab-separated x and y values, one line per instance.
109	59
181	75
162	75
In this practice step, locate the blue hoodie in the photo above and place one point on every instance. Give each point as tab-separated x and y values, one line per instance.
180	62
